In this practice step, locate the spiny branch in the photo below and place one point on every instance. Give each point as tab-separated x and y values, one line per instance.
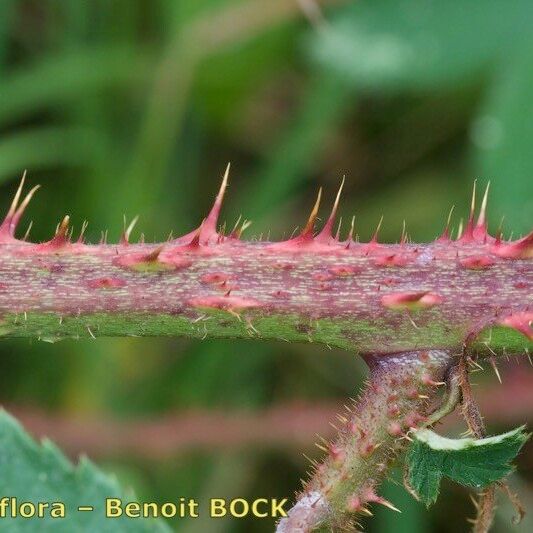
373	432
428	302
368	297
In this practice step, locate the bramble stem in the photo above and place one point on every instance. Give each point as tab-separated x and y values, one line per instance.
398	397
415	307
335	296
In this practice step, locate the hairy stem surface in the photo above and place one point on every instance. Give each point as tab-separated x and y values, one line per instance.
335	296
412	306
396	399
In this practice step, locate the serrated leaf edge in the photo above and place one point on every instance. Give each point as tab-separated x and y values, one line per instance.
439	443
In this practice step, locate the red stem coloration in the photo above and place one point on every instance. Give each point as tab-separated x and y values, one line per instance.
370	298
410	309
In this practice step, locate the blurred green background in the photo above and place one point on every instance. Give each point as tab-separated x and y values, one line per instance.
126	107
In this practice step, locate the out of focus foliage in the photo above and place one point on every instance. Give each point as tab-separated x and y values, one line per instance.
135	107
41	473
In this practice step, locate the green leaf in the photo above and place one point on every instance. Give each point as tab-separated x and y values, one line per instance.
502	136
32	472
47	147
322	108
415	44
471	462
69	77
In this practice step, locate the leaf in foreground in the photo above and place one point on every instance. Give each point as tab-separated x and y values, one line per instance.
471	462
32	472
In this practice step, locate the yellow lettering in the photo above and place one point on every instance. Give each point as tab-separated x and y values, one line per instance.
235	504
41	507
133	510
113	507
255	505
193	508
27	509
168	510
277	508
57	510
150	510
218	508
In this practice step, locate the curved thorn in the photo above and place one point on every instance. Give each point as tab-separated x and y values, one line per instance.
403	237
7	228
499	232
16	198
388	504
460	229
338	232
350	233
492	361
63	226
195	241
125	239
445	236
245	225
20	211
467	235
210	222
308	230
153	255
521	248
473	201
27	234
327	230
82	232
482	220
233	232
376	233
61	234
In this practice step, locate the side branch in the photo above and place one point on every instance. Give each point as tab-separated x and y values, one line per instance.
409	305
396	399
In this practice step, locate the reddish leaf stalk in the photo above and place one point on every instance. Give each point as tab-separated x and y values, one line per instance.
372	433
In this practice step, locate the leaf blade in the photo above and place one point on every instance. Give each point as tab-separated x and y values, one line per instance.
470	462
33	472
